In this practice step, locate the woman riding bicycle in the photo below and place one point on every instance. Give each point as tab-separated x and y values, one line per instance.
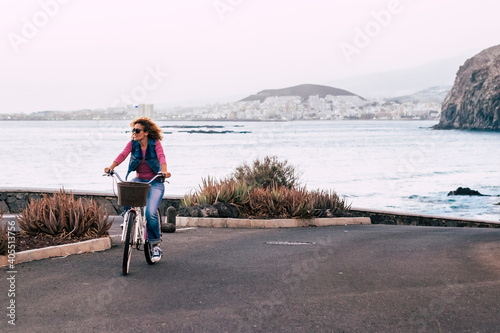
147	159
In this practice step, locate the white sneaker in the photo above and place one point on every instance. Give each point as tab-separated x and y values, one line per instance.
156	253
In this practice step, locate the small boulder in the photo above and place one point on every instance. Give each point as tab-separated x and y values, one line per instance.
235	211
190	211
209	211
227	210
4	208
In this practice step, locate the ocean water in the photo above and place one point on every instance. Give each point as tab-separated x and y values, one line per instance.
402	166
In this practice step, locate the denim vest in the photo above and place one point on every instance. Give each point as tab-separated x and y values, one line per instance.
136	156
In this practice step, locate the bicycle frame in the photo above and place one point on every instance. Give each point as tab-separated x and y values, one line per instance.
140	225
140	234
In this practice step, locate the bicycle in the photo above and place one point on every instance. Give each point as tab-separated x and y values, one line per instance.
134	233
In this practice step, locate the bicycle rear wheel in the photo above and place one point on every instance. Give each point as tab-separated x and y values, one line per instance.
147	252
129	238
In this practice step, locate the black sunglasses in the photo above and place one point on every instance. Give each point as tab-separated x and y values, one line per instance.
136	130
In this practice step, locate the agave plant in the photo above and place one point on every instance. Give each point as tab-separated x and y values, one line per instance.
188	200
225	191
328	200
259	203
298	203
62	215
240	193
212	191
269	202
207	194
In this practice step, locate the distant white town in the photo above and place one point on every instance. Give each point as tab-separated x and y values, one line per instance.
272	108
315	108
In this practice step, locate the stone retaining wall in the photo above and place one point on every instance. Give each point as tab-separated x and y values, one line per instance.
397	218
14	201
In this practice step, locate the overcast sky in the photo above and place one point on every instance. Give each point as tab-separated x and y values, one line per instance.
75	54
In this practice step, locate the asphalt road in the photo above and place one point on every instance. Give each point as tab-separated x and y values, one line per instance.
374	278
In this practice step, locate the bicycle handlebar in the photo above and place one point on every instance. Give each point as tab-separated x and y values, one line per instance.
160	175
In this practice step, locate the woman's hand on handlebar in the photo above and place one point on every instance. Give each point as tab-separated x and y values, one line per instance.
162	176
111	167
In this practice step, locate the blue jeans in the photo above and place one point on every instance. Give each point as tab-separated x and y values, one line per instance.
152	220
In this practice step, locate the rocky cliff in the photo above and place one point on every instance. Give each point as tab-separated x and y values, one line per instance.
474	100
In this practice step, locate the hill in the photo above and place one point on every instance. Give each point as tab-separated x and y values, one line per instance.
303	91
429	95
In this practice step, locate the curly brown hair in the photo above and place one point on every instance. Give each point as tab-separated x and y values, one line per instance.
153	130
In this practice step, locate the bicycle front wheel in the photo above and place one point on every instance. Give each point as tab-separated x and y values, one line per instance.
129	239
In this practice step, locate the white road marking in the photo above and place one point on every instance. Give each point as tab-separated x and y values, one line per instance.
184	229
290	243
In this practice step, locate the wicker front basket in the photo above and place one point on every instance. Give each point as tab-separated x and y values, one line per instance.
133	194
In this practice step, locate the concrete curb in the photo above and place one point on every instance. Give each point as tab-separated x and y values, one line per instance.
208	222
93	245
